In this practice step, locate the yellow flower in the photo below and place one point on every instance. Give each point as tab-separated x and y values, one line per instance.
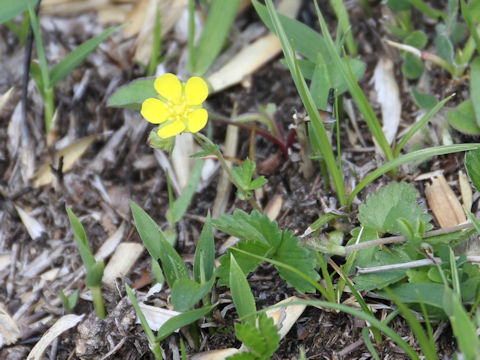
179	106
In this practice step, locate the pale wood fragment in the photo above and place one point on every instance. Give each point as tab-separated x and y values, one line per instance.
122	260
444	204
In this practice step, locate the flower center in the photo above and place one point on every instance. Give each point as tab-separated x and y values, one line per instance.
178	110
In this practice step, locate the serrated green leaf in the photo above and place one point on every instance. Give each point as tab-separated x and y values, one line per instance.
182	320
241	293
270	334
74	58
381	210
252	338
253	227
186	293
132	95
205	253
261	236
463	118
158	246
246	263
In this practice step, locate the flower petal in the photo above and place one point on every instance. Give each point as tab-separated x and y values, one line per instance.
154	110
196	90
171	129
169	87
197	120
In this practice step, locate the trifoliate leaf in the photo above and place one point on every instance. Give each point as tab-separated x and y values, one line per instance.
261	341
261	236
397	200
270	334
252	338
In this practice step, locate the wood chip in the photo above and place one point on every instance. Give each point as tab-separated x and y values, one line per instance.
156	316
465	190
9	331
215	354
34	228
122	261
109	246
61	325
224	186
70	155
388	95
444	204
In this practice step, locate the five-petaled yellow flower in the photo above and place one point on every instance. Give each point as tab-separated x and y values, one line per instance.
178	107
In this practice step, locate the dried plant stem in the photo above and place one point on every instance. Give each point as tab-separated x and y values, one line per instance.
409	265
206	142
400	238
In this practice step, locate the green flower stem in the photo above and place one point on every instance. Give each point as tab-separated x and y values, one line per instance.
203	140
98	301
49	109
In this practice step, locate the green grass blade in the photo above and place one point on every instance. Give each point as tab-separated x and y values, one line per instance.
220	18
143	321
413	156
420	124
182	320
10	8
372	320
309	104
157	44
344	23
470	24
357	93
241	293
428	347
74	58
206	251
81	238
42	58
462	326
368	343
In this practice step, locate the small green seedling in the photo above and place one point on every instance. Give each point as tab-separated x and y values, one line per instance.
258	334
169	327
46	78
69	302
243	176
219	21
185	292
94	268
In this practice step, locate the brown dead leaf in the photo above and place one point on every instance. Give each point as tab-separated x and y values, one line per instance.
444	204
70	155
